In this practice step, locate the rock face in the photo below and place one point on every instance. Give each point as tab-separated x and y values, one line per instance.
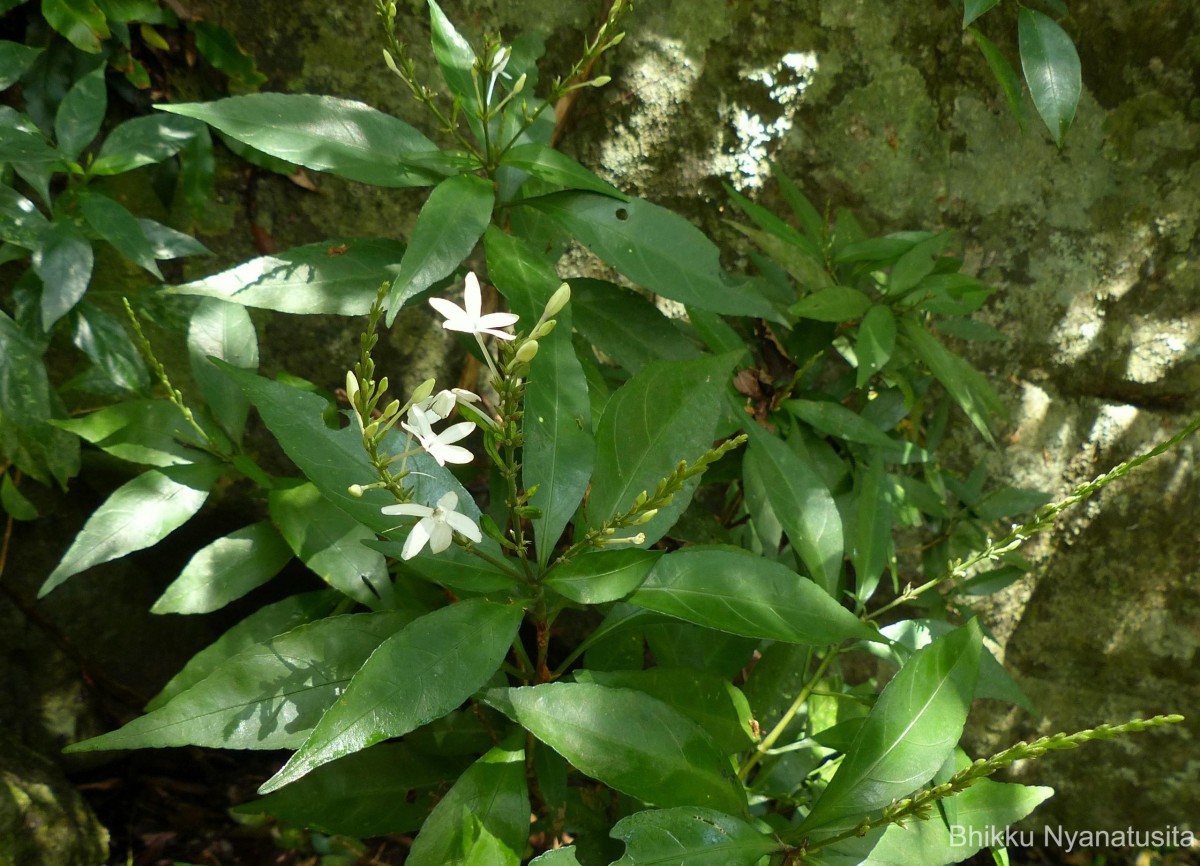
884	106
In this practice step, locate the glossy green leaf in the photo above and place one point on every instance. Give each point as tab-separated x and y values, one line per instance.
143	141
268	696
804	505
112	222
222	330
1004	73
972	9
557	857
420	674
453	568
151	432
875	343
773	225
329	541
911	730
17	145
262	625
872	527
389	788
168	243
666	413
21	222
450	223
217	45
483	820
731	590
626	326
63	259
103	338
834	419
807	215
81	21
691	836
916	264
340	277
225	570
14	502
1052	70
603	576
138	514
15	60
656	248
554	166
631	742
130	10
704	696
969	388
832	304
81	113
454	57
324	133
982	810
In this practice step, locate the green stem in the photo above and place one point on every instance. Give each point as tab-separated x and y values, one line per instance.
770	739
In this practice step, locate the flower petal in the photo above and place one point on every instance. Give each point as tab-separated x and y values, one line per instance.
464	526
440	537
444	454
409	509
417	538
449	501
497	320
472	298
455	432
448	309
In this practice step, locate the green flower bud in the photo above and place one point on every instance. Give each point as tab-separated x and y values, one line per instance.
527	352
557	301
422	391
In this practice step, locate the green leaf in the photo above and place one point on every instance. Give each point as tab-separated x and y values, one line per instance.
666	413
63	259
911	730
324	133
803	505
21	222
631	742
916	264
105	341
1052	70
655	248
423	672
120	228
872	528
555	167
152	432
218	47
138	514
454	56
483	820
130	10
557	857
81	113
970	390
169	243
808	216
268	696
17	145
15	60
832	304
143	141
222	330
875	343
834	419
329	541
453	568
262	625
603	576
14	502
691	836
389	788
339	276
704	696
81	21
626	326
225	570
733	591
972	9
450	223
1004	73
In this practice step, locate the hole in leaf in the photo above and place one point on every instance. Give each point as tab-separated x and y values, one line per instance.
622	214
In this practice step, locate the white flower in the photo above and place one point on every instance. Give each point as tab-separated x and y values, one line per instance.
436	526
471	320
438	445
442	403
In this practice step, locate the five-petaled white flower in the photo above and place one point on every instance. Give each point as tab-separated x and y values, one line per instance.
471	320
442	403
438	445
436	526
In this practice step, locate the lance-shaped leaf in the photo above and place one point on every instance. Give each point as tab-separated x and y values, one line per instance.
803	504
144	141
324	133
269	696
666	413
103	338
972	9
423	672
222	330
152	432
120	228
656	248
626	326
225	570
603	576
80	113
81	21
970	390
1052	70
736	592
875	342
449	225
18	145
454	56
554	166
63	259
15	59
691	836
1005	75
912	729
138	514
21	222
483	819
631	742
340	277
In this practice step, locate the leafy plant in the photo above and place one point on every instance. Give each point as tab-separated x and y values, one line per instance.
657	670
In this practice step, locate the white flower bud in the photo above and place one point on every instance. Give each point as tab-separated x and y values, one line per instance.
351	387
557	301
527	352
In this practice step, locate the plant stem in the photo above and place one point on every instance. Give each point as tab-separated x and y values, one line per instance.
770	739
